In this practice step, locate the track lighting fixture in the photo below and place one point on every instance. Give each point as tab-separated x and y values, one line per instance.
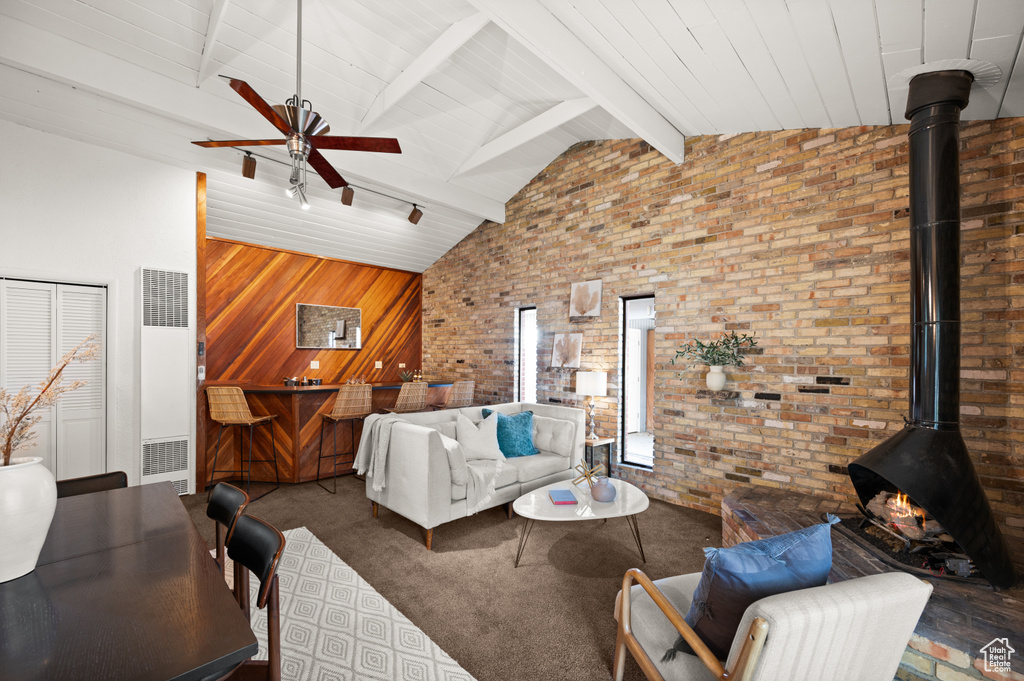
347	194
415	215
248	166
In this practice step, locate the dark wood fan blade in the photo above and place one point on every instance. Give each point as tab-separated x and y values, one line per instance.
326	170
239	143
258	103
387	145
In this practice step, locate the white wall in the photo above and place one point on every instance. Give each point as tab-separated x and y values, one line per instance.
76	213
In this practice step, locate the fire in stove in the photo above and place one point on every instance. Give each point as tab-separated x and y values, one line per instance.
894	523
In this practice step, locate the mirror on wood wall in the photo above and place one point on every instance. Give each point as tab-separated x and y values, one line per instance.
324	327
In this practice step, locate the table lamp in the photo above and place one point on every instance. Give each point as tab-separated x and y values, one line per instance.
594	384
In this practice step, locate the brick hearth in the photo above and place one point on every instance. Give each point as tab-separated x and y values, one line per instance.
958	621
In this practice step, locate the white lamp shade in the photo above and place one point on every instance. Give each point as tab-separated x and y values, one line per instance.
593	383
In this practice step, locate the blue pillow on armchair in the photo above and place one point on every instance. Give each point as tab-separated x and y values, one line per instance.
515	433
736	577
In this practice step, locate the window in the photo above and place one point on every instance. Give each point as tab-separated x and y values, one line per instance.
526	366
637	425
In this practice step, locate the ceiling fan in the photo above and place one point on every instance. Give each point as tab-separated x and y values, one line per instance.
304	131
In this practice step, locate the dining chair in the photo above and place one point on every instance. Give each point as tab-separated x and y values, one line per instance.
256	546
226	505
855	629
91	483
228	407
352	404
412	397
461	395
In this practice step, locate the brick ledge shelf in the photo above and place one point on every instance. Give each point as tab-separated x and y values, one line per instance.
958	620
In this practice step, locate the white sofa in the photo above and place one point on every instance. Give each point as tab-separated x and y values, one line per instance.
418	477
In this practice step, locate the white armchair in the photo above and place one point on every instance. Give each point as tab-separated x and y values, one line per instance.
855	630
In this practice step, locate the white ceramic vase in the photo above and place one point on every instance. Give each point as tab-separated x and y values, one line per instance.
28	496
715	378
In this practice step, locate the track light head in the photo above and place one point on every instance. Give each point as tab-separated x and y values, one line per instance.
347	194
415	215
248	166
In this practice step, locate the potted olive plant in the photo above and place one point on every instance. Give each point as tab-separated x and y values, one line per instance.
28	492
716	354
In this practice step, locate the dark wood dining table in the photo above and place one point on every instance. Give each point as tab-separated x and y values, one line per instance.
125	588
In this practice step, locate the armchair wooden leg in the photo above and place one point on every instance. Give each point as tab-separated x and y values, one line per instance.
375	507
619	663
430	538
508	509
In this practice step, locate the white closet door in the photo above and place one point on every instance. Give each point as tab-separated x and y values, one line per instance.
81	413
28	322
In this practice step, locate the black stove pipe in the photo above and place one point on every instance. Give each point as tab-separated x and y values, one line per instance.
928	460
934	111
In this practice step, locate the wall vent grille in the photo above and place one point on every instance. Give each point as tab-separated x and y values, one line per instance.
180	487
164	298
167	456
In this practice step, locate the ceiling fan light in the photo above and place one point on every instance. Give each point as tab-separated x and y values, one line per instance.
415	215
290	191
302	198
249	166
347	194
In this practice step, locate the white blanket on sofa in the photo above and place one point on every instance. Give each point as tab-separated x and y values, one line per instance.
372	457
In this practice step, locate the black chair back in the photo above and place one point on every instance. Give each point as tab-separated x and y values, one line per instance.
257	545
226	505
91	483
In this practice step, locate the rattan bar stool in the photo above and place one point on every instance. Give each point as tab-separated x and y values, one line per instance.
229	408
353	404
412	397
461	395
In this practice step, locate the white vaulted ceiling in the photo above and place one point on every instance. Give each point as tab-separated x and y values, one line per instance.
482	94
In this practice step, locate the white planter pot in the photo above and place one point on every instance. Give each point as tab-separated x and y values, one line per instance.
28	496
715	378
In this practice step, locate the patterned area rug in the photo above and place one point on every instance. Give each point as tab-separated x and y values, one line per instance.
334	625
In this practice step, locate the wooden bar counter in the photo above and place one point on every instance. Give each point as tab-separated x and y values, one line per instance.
296	429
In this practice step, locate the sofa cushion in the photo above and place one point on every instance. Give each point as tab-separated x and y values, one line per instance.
515	433
456	459
475	414
509	475
446	428
458	492
736	577
530	468
554	435
479	442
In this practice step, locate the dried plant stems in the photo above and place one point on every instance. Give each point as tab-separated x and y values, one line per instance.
16	430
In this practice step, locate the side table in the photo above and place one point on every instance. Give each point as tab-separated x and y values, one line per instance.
591	445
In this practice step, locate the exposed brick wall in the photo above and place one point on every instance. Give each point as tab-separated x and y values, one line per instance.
799	238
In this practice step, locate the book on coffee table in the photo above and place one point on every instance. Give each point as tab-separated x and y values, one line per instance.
561	497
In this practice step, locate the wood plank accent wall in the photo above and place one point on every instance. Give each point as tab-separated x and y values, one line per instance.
251	293
250	323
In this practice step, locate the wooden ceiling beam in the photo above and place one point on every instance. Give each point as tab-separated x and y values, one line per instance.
527	131
456	35
536	28
216	21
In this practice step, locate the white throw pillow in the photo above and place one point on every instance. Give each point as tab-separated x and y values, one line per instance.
456	460
480	442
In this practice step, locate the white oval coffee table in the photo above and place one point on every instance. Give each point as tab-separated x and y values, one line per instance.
537	505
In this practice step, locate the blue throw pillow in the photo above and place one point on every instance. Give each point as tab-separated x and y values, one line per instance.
515	433
740	575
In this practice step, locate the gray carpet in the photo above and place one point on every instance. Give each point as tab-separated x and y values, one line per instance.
551	618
